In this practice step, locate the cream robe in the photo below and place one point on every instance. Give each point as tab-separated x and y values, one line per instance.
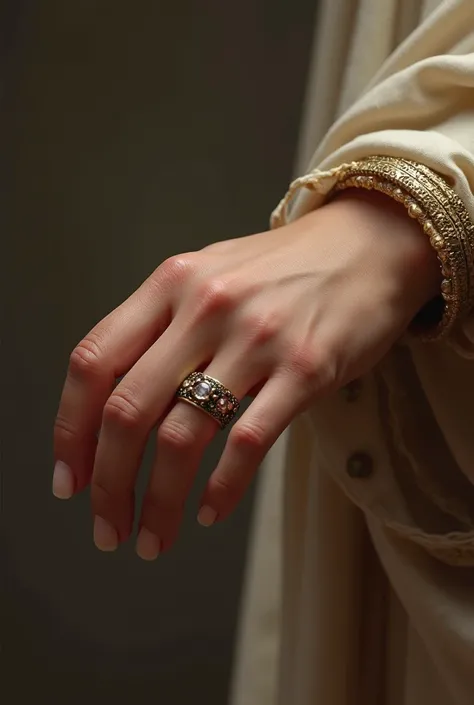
322	622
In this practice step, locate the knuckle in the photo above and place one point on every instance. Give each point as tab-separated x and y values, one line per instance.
175	269
248	437
176	436
123	411
259	329
302	361
87	358
314	365
170	275
213	296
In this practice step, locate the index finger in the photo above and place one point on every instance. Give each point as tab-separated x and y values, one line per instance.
108	351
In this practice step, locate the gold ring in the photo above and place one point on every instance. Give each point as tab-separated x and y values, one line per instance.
210	395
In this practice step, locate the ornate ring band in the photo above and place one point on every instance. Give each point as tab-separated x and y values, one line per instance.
210	395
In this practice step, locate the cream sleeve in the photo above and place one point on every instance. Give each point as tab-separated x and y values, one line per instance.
419	107
417	428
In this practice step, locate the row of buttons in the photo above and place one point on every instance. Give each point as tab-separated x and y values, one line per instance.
359	465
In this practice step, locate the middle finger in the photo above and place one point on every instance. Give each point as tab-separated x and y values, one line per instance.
130	413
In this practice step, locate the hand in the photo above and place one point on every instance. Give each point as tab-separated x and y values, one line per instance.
288	316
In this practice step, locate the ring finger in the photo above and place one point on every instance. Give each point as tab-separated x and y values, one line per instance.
182	439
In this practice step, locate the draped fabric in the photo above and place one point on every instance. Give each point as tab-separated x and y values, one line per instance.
359	591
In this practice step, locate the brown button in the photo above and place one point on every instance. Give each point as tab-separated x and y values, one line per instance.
360	466
352	391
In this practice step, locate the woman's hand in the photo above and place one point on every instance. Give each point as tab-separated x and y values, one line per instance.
287	316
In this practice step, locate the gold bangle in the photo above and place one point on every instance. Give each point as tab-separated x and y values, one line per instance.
443	217
459	215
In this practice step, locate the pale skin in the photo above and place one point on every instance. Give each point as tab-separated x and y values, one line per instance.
285	317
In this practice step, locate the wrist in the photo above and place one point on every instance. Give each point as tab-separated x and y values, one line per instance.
398	238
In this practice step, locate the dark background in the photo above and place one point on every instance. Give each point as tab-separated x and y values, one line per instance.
130	131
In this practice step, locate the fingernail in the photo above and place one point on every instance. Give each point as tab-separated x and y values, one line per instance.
148	545
63	481
207	516
105	536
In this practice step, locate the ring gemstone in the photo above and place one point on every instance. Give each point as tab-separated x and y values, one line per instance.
225	405
202	390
